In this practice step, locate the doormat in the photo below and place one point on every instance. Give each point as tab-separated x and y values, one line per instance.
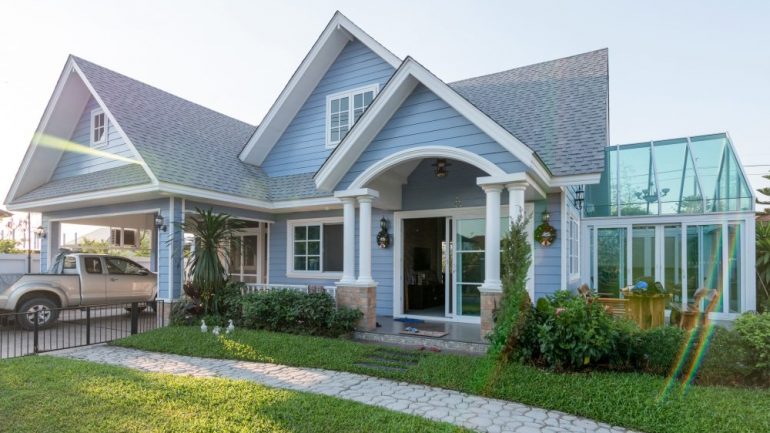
421	333
408	320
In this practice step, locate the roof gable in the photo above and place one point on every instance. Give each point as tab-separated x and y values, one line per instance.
559	108
330	43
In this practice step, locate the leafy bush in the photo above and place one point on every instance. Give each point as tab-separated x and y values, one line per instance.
727	361
574	333
514	314
297	312
655	350
754	329
229	301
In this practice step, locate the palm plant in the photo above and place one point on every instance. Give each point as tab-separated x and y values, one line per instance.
763	263
208	263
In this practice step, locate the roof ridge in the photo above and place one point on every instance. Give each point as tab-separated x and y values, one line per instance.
80	59
529	65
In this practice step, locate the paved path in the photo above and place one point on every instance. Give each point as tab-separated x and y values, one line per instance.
478	413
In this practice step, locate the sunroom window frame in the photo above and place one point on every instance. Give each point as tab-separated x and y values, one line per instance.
350	94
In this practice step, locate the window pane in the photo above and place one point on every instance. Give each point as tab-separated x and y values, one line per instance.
643	253
332	248
672	261
314	247
679	191
344	104
335	105
314	232
300	263
470	300
708	153
300	248
470	267
335	135
601	198
235	258
639	193
368	97
470	235
313	263
358	100
704	261
734	266
93	265
300	233
611	260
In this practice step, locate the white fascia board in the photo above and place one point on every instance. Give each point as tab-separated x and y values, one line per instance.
359	192
384	106
111	118
577	179
327	47
85	198
42	126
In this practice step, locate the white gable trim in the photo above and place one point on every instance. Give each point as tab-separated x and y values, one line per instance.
333	39
424	152
390	99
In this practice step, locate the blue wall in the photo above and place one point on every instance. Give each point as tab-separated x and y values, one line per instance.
73	164
382	259
424	119
302	147
548	259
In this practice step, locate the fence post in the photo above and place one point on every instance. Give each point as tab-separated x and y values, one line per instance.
35	337
88	326
134	318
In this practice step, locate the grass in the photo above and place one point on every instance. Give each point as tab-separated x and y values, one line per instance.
45	394
625	399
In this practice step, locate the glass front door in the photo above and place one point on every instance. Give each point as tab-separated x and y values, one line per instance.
469	265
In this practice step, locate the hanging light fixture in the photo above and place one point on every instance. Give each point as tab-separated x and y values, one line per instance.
441	167
579	197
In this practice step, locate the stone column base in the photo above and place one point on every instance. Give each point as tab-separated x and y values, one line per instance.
363	299
490	303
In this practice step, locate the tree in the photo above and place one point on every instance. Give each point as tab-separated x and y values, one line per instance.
209	261
8	246
763	265
766	192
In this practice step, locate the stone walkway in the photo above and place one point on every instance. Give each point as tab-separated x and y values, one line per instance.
477	413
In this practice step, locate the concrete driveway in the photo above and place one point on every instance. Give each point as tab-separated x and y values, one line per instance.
74	328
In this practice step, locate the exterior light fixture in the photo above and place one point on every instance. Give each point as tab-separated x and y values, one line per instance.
441	167
40	232
159	223
579	197
383	238
545	216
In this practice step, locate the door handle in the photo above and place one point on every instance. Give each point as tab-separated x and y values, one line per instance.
113	279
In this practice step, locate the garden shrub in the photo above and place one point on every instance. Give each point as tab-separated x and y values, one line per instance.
754	329
297	312
655	350
575	333
726	361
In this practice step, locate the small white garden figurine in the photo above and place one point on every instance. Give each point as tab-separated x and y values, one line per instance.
204	328
216	330
230	326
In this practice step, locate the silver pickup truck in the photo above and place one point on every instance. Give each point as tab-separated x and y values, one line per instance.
75	280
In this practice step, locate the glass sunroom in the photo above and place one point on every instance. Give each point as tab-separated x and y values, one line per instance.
679	211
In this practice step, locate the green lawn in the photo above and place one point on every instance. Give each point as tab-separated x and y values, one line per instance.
43	394
625	399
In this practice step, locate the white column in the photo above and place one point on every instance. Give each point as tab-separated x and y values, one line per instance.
492	281
515	200
365	241
349	240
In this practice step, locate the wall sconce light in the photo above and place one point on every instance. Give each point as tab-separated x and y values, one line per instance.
159	223
441	167
579	197
383	238
40	232
545	216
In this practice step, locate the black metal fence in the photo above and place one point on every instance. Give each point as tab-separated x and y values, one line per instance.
78	326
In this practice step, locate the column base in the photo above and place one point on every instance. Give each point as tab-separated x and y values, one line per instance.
363	299
490	303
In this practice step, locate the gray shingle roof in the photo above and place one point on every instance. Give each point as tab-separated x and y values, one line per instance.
182	142
558	108
127	175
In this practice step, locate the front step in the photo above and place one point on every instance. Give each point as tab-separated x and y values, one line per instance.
414	341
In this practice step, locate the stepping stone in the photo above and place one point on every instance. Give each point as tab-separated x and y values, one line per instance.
380	367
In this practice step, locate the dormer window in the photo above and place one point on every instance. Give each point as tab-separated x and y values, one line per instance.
344	109
98	127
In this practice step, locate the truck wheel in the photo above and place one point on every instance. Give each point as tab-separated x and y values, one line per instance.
47	313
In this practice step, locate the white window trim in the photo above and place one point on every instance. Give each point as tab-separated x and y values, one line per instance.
349	93
95	112
573	225
290	272
122	243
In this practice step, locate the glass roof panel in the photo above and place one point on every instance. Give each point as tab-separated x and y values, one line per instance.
638	191
669	177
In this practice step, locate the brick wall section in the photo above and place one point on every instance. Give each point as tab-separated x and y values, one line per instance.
490	302
363	299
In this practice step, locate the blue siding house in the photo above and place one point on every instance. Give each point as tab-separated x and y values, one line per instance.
362	142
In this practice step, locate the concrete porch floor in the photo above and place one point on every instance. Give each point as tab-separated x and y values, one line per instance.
461	337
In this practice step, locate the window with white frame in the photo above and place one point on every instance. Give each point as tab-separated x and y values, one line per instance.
121	237
573	240
98	127
315	247
344	109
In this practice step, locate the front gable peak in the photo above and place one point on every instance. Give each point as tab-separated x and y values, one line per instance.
337	34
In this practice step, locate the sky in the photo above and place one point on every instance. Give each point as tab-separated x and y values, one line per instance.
676	68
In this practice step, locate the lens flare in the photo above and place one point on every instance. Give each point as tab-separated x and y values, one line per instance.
57	143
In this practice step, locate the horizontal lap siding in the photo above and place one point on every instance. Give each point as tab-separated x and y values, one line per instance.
382	259
548	259
426	120
74	163
302	147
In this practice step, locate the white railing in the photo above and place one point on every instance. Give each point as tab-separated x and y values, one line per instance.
304	288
